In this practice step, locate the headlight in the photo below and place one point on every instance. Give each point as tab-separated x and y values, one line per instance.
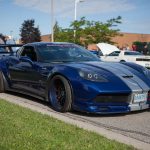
146	72
92	76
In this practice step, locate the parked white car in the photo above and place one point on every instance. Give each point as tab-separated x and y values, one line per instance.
129	56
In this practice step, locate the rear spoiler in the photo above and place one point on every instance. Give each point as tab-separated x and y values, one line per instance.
11	45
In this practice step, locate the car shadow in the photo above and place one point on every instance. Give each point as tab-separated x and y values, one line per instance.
74	112
85	114
31	98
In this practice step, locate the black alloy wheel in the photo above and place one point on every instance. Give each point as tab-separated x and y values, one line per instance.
60	94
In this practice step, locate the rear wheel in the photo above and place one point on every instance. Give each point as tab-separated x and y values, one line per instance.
60	94
2	88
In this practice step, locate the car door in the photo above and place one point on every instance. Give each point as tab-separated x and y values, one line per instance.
112	57
25	74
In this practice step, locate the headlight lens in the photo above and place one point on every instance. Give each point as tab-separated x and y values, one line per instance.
146	72
92	76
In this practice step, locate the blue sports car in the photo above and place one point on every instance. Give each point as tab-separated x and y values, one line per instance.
70	77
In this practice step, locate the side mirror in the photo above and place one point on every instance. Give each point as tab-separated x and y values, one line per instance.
26	59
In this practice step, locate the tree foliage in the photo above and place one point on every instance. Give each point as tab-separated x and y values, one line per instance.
88	32
29	33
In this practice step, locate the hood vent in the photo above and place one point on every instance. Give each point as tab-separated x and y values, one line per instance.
128	76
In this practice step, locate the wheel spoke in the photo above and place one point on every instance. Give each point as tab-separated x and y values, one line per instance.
60	92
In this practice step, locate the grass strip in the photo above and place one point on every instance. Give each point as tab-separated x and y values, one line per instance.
23	129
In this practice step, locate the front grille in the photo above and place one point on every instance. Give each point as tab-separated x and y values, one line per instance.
116	98
148	68
142	59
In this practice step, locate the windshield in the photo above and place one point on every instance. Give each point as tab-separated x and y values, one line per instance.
64	53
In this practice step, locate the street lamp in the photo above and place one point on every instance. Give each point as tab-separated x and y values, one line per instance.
11	34
52	14
75	8
75	13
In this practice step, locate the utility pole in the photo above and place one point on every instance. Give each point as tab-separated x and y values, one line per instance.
52	18
75	14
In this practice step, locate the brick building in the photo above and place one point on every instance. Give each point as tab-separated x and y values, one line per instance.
125	39
45	38
129	38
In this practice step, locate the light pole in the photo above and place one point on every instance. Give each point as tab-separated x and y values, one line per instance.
75	8
52	15
11	34
75	13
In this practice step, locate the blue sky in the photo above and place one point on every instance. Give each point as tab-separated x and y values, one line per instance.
134	13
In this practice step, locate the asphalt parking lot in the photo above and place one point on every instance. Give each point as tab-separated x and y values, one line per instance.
135	125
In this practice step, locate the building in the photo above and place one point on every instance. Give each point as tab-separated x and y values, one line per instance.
129	38
45	38
121	41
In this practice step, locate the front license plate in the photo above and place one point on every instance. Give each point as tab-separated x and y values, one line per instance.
140	97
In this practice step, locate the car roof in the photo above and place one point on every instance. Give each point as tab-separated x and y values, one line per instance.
44	43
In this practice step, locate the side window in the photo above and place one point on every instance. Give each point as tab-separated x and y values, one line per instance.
30	52
100	53
116	53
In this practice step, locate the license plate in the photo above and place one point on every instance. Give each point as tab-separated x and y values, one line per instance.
140	97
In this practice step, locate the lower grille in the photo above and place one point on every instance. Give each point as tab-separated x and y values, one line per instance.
142	59
116	98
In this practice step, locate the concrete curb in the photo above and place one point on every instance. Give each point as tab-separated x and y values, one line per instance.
35	106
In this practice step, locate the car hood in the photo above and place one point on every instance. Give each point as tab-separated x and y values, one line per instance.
114	72
103	67
107	48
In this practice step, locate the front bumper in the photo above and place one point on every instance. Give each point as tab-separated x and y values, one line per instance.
139	106
111	107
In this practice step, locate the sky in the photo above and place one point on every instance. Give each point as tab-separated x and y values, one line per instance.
135	14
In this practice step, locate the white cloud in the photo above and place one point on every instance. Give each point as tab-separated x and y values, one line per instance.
107	6
40	5
66	7
136	26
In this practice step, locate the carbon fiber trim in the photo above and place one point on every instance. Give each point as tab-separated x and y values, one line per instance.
116	98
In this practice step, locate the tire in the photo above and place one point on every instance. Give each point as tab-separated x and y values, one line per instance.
122	61
2	88
60	94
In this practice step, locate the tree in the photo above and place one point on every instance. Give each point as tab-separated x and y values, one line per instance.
88	32
2	37
62	35
30	33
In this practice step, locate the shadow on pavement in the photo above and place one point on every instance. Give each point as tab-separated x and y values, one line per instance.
85	114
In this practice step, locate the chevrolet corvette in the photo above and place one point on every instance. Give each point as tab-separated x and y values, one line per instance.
69	77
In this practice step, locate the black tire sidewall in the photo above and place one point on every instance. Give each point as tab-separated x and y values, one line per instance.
68	100
2	89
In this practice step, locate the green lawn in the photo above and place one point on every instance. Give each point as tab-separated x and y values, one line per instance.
23	129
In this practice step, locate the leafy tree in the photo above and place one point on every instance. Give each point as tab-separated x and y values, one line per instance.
62	35
2	37
88	32
30	33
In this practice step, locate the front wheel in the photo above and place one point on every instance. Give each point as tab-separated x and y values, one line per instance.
60	94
